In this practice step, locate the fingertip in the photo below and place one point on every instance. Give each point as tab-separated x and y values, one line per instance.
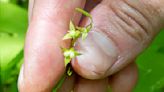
98	54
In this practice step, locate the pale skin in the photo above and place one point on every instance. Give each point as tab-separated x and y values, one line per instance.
122	30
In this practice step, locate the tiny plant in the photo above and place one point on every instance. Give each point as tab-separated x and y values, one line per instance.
74	33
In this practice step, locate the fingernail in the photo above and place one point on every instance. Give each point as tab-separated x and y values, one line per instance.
99	53
21	77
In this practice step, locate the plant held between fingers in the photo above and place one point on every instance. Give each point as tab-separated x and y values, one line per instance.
74	33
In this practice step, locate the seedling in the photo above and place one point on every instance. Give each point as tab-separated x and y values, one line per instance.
74	33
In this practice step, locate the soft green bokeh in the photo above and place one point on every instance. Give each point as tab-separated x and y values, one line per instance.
13	26
151	67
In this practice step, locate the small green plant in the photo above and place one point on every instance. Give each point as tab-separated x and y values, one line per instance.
74	33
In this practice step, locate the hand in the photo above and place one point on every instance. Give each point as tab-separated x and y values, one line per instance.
122	30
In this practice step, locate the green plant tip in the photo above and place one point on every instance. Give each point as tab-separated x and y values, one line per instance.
69	54
69	71
74	34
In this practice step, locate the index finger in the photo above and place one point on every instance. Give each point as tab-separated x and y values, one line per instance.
44	63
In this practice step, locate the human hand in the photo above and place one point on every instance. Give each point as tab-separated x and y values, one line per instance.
122	29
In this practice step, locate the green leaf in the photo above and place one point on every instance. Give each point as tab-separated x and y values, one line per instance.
151	66
71	26
84	33
77	34
72	35
89	27
84	36
13	26
67	36
74	53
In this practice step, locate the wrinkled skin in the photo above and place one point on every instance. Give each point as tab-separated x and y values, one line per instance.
122	30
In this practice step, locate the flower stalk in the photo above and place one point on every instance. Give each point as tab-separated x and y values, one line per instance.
74	33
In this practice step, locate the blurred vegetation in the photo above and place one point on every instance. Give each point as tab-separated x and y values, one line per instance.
13	26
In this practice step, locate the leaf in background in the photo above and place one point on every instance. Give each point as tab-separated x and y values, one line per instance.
151	67
161	50
11	73
13	25
21	3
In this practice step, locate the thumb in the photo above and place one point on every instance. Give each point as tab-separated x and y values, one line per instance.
44	64
122	30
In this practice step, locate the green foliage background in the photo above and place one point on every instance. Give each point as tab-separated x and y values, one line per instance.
13	26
